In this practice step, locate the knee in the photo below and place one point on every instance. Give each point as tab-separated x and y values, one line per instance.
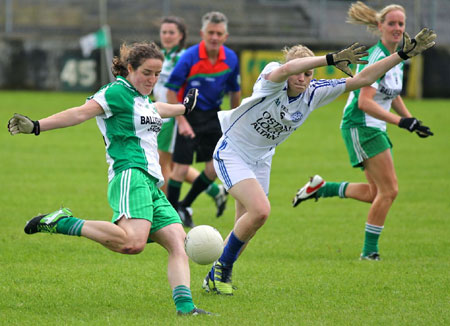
133	248
173	241
390	194
179	171
261	214
393	193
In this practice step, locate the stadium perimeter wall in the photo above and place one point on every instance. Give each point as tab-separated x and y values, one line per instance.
55	65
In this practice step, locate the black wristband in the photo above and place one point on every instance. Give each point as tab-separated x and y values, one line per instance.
403	55
37	128
330	60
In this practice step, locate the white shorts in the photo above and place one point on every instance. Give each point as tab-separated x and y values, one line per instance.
231	168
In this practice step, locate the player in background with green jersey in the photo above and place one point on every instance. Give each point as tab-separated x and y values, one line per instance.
363	127
172	34
129	123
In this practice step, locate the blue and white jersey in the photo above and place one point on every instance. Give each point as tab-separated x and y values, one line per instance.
267	118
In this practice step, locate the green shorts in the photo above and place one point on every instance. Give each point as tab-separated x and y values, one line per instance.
166	137
364	142
134	194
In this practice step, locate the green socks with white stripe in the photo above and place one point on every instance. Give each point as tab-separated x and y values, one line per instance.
372	234
70	226
183	299
333	189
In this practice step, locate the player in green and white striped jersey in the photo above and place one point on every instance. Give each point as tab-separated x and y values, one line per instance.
364	125
129	123
172	34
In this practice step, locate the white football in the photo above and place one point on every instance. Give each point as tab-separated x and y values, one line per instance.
203	244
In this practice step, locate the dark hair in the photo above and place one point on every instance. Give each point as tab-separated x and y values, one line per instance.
134	55
181	26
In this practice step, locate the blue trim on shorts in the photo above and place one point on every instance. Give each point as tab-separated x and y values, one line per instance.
222	168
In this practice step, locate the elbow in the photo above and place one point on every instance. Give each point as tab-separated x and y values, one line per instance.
362	105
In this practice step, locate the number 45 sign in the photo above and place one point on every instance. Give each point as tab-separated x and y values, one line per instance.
79	74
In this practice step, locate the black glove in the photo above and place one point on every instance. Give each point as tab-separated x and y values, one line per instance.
190	100
412	124
412	47
20	124
350	55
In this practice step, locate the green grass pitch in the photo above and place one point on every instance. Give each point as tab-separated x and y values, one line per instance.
302	267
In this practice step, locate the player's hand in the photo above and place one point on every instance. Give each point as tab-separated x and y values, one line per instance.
350	55
20	124
190	100
184	128
412	47
412	124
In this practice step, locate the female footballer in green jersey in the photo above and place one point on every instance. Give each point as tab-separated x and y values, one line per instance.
172	34
129	123
364	127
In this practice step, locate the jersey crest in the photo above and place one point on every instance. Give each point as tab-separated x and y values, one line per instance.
297	116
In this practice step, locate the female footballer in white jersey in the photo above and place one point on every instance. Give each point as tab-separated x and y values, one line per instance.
364	127
129	123
283	97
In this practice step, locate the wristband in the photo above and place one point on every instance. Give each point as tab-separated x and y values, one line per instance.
36	128
330	60
403	55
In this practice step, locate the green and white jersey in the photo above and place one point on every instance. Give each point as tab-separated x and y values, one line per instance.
388	87
170	60
129	125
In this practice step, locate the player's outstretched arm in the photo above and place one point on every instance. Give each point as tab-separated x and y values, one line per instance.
341	59
20	124
166	110
425	40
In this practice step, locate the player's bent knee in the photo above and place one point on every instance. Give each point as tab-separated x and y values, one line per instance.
389	195
261	214
133	249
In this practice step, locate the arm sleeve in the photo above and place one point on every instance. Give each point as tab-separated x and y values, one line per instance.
112	100
234	82
266	87
179	74
324	91
100	98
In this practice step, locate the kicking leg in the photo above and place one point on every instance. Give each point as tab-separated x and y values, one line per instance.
129	236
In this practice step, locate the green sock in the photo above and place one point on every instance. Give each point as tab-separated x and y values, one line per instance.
70	226
372	235
212	190
183	299
332	189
